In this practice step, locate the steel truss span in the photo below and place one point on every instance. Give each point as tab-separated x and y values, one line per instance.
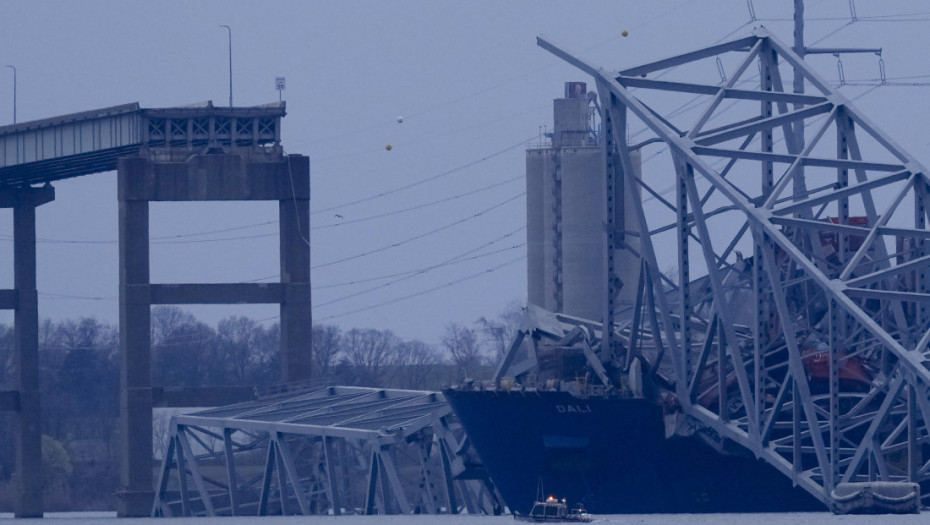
331	451
782	301
44	151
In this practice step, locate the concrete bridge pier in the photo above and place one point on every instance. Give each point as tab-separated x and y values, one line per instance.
23	300
239	175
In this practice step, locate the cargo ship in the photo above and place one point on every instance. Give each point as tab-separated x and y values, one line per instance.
611	455
557	416
612	436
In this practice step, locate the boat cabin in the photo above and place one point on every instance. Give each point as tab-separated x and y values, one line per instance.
555	510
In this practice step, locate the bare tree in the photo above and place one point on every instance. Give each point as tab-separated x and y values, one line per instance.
236	337
368	352
326	349
499	333
87	378
47	333
464	348
183	355
414	362
266	354
179	343
167	321
88	333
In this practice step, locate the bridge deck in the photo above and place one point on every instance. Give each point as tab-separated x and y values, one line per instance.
89	142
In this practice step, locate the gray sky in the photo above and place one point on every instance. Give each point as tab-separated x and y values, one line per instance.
471	84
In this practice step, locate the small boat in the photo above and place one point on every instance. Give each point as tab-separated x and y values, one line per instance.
552	510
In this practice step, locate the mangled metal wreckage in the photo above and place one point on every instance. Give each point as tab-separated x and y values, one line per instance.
329	451
783	359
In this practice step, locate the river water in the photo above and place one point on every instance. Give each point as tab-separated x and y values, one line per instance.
787	518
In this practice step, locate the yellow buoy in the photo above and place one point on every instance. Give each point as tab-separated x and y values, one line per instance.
625	33
388	147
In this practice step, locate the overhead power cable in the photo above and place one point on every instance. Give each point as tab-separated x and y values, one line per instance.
419	206
462	257
166	239
457	259
424	292
211	232
424	181
422	235
411	275
184	238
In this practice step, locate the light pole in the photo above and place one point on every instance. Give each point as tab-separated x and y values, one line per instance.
14	92
229	34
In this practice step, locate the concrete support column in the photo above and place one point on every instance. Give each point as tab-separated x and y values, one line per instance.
296	317
209	177
136	491
28	423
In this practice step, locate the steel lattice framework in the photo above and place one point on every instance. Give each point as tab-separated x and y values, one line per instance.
329	451
811	350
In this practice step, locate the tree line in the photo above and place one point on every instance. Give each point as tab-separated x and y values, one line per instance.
79	377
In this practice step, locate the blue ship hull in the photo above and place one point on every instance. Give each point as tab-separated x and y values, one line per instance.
612	456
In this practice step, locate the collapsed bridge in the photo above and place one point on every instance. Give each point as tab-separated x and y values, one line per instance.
328	451
795	325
